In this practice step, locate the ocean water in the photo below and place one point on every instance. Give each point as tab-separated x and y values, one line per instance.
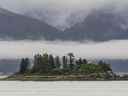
64	88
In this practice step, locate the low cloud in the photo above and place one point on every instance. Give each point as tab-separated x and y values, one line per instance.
105	50
58	12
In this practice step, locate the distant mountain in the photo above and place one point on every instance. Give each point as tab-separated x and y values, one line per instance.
15	26
56	18
100	26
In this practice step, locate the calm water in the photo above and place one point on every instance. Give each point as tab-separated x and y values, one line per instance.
64	88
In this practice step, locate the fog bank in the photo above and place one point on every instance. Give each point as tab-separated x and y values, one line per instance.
107	50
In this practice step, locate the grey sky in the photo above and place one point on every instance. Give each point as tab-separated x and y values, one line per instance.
112	49
108	50
59	4
56	12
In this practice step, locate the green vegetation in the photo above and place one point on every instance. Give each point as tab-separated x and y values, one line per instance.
49	67
24	65
91	68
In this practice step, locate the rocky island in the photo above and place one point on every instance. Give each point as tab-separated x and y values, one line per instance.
46	67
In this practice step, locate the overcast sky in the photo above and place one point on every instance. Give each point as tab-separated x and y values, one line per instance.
60	10
107	50
59	4
112	49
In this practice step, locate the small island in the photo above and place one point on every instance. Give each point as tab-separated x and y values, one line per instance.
46	67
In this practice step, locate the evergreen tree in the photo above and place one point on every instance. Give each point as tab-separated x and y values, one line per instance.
79	62
38	60
101	62
57	60
45	63
25	62
65	62
85	61
41	63
71	59
106	67
51	62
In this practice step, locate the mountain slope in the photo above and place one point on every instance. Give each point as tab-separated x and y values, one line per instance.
97	26
15	26
100	26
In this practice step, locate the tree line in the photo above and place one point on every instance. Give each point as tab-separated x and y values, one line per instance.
62	65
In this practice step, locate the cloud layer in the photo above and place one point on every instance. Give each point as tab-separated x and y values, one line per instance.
59	4
106	50
57	12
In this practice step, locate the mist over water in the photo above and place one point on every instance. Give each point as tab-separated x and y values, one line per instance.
91	50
